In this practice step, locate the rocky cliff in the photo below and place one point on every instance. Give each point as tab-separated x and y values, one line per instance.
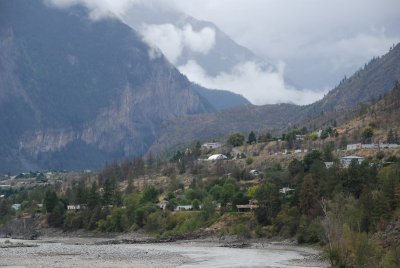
76	93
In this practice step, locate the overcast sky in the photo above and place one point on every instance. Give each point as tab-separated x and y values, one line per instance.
313	43
332	38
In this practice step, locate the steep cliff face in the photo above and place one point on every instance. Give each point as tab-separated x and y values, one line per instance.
76	93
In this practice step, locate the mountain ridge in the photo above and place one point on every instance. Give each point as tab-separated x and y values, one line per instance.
81	96
374	80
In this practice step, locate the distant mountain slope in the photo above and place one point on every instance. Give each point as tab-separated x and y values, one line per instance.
382	116
221	99
224	54
76	93
221	57
244	119
369	83
375	79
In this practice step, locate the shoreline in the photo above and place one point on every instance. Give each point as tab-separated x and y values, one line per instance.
99	252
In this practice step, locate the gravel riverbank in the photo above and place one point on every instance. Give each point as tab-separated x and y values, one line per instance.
96	252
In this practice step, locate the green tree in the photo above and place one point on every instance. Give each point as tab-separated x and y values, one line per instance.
80	193
269	203
207	210
150	194
295	167
308	197
109	187
252	138
56	217
93	197
391	137
389	178
310	157
265	137
236	139
327	152
367	135
5	209
50	200
196	204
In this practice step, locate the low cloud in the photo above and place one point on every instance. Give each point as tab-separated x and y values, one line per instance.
320	41
173	40
258	85
98	9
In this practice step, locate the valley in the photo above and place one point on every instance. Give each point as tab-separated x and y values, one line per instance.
112	153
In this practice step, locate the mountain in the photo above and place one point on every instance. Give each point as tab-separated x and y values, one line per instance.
75	93
221	99
369	83
217	54
382	116
222	55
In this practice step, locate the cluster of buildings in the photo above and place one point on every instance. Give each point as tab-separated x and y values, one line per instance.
357	146
346	161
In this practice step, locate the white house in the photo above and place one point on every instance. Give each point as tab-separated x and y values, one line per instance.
16	206
217	157
183	207
346	161
212	145
75	207
328	164
285	190
163	204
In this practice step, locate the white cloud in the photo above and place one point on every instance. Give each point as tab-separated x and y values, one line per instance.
98	9
320	41
166	37
250	80
201	41
173	40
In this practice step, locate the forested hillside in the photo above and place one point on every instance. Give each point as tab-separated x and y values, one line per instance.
265	189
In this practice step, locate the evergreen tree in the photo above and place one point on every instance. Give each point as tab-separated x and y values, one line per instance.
56	217
268	203
308	197
367	135
109	187
5	209
93	197
50	200
252	138
390	137
80	193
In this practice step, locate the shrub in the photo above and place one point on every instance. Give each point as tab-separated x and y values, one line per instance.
309	231
249	160
73	221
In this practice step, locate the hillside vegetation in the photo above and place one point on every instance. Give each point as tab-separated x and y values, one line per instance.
352	212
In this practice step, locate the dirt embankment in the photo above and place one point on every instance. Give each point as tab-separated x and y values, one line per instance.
22	228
